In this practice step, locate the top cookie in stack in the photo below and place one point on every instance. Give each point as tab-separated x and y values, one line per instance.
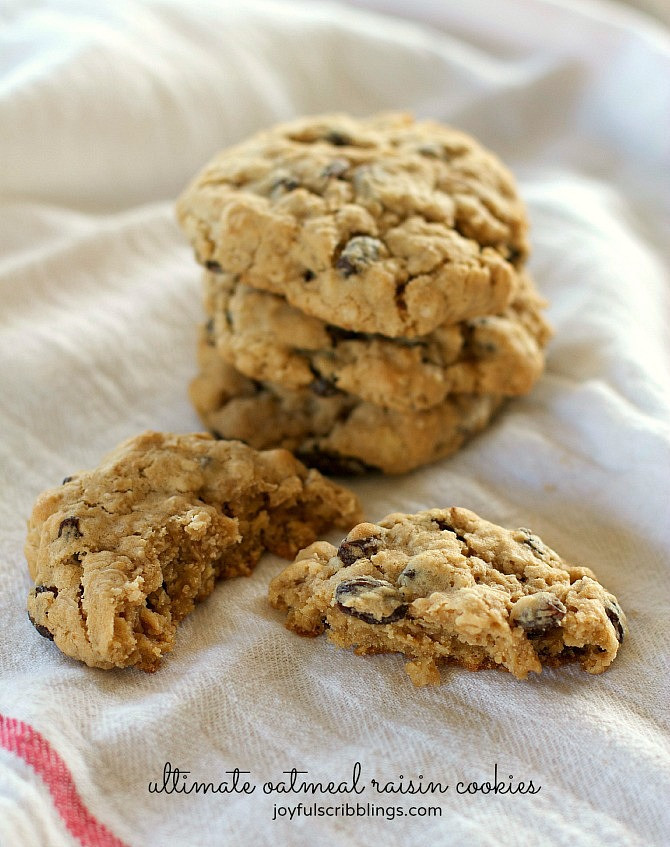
365	287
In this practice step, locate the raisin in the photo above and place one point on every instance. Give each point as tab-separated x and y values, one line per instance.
285	183
358	253
537	613
407	575
70	528
213	266
43	631
337	138
350	551
323	387
445	525
345	266
370	600
41	589
614	614
67	479
329	462
400	301
536	544
308	275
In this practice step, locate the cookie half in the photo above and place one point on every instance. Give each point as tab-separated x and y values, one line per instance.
337	433
382	225
267	339
121	554
447	586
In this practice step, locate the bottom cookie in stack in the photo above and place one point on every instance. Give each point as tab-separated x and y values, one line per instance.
339	434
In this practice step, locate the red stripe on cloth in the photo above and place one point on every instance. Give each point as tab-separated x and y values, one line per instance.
20	738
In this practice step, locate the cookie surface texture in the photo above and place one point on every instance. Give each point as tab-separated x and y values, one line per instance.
447	586
120	554
394	226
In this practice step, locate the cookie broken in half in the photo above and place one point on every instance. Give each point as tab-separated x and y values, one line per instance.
445	585
122	553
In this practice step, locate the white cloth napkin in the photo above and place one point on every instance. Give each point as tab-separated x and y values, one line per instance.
106	110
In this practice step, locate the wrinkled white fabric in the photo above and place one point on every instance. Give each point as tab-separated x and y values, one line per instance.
106	111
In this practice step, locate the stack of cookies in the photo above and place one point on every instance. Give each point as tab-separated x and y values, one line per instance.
367	303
